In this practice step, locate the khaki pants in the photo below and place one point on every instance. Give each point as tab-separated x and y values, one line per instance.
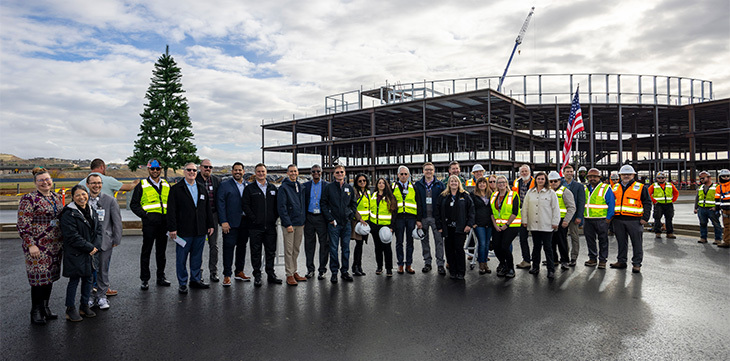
292	244
574	240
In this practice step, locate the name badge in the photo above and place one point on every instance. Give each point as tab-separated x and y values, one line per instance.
273	193
429	200
101	213
347	190
210	187
452	204
202	197
316	211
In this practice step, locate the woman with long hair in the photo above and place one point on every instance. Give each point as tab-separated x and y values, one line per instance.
456	217
382	208
541	215
506	218
362	194
482	221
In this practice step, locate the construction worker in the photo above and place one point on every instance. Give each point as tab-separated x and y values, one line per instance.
599	210
613	180
722	201
520	186
406	219
633	207
477	172
582	172
663	195
706	209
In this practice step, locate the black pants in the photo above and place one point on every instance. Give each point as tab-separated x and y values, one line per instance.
666	210
266	238
234	243
542	241
502	242
153	235
315	227
357	258
560	242
383	252
524	244
38	294
454	249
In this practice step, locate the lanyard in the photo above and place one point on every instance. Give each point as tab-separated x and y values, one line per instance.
55	207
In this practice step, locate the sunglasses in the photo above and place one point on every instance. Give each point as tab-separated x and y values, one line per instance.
492	181
316	171
555	181
339	172
404	174
190	169
362	181
208	166
156	168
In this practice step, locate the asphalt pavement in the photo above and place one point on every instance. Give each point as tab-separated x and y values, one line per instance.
677	308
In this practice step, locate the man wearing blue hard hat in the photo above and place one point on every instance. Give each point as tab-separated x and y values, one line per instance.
149	203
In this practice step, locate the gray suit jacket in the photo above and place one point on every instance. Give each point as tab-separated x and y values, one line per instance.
112	224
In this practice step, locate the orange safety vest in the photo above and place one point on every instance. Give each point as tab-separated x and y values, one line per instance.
628	203
516	184
722	196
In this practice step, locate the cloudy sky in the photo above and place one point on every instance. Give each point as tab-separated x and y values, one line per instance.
73	73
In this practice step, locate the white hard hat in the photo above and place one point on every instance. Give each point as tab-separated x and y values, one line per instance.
627	169
362	229
553	175
417	234
385	235
724	172
476	168
582	169
614	176
661	174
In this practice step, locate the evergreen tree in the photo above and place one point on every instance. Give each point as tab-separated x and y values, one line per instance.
166	130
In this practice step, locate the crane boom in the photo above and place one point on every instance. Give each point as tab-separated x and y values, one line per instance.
518	41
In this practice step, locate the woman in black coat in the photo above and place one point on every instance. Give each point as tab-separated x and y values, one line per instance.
456	217
82	237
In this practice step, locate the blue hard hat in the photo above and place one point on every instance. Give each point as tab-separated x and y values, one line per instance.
153	163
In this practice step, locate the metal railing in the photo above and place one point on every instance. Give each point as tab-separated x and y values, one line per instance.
599	88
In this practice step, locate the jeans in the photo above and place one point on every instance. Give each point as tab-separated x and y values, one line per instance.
73	283
194	247
708	214
404	224
234	242
339	236
484	235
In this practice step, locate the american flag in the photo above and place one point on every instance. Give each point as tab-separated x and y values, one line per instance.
575	125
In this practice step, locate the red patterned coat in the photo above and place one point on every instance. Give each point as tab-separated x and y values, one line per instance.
38	225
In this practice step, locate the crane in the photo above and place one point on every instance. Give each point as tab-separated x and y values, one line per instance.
518	41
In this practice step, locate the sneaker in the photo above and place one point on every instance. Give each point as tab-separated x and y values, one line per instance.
702	240
572	262
92	302
226	281
103	304
240	276
510	274
564	266
717	241
379	271
591	263
389	273
524	264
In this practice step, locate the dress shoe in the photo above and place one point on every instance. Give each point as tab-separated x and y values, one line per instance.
46	311
72	314
320	276
534	271
346	276
486	269
299	278
183	289
333	279
470	258
145	285
671	236
602	265
389	273
442	270
572	262
214	277
551	274
226	281
309	274
257	281
36	317
636	269
523	264
163	282
291	281
591	263
619	265
362	273
274	280
111	292
356	271
199	285
240	276
400	270
426	268
410	270
85	310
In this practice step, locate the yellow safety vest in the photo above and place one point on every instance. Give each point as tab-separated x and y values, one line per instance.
363	205
596	206
151	201
407	205
379	213
706	200
663	195
563	209
503	214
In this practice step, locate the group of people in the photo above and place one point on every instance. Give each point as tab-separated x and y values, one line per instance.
330	214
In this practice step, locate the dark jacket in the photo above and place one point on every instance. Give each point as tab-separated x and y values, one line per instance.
579	196
187	218
482	211
261	211
290	202
229	203
463	215
436	188
148	219
307	187
216	185
339	203
79	239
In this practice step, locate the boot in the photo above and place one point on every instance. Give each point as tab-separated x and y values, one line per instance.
36	317
86	311
482	268
671	236
72	314
46	311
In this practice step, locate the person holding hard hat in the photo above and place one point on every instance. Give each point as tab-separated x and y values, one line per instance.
456	216
722	201
382	205
428	191
362	194
633	207
706	209
663	195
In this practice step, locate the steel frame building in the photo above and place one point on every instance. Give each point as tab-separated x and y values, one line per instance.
664	123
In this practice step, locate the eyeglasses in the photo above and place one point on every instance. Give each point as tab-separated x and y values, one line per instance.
156	168
190	169
208	166
44	180
317	171
404	174
660	178
339	172
501	182
492	181
428	169
555	181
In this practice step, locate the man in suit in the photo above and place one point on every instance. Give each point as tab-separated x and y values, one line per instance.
111	224
211	184
260	207
315	226
230	216
189	218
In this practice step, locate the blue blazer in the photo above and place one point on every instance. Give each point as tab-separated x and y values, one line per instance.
228	203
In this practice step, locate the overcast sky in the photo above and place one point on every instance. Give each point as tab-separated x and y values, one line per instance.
73	73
